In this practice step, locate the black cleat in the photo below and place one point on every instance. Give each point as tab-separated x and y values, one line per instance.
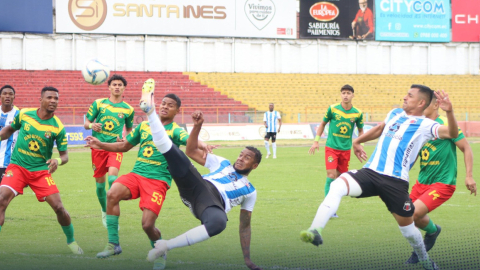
311	236
430	239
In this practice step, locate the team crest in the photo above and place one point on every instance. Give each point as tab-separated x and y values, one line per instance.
120	115
48	134
93	167
407	206
8	174
330	159
352	119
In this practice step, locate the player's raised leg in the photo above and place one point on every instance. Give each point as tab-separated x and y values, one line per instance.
63	218
345	185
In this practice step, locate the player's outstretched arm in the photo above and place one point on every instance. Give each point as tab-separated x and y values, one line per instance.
6	132
245	236
193	149
55	162
464	146
450	131
119	146
315	145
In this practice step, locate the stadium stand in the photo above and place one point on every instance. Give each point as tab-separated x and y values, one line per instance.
77	96
305	97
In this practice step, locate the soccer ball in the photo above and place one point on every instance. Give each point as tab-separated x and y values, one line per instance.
95	72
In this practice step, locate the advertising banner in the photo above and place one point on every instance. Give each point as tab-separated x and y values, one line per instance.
413	20
30	16
337	19
77	134
219	18
465	21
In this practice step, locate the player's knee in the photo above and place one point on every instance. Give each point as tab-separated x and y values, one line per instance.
59	209
113	196
339	187
331	175
148	225
215	220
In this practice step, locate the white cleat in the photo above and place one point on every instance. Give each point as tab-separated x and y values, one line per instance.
159	250
274	156
160	263
268	155
147	103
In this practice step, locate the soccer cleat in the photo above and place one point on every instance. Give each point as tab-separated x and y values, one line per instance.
75	248
311	236
335	215
430	239
159	250
274	156
268	155
160	263
110	250
430	265
104	219
147	103
413	259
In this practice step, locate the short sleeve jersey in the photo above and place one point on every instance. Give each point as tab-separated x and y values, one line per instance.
36	139
342	125
234	188
271	118
112	116
438	159
7	146
150	162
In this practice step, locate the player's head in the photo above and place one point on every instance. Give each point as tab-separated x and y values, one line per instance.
362	4
248	160
7	95
417	99
270	107
116	85
49	99
432	110
347	93
170	106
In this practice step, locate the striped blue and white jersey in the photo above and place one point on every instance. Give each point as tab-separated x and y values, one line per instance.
7	146
401	140
234	187
271	118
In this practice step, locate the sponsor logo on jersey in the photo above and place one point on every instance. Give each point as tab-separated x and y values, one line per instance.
407	206
48	134
338	117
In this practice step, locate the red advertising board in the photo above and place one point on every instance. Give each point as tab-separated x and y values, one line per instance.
465	21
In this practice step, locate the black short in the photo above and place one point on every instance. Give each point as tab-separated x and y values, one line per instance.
197	193
2	173
272	135
392	191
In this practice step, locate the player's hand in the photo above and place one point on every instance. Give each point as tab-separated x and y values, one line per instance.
314	147
251	265
359	152
52	165
443	101
120	140
266	126
471	185
278	130
92	142
207	149
97	127
197	117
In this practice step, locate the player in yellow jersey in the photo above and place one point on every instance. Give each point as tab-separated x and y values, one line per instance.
110	116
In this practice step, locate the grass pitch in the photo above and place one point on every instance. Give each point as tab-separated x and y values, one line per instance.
290	189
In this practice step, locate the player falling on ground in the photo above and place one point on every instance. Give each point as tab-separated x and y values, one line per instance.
110	116
270	119
386	172
32	163
8	113
438	177
209	197
149	179
342	117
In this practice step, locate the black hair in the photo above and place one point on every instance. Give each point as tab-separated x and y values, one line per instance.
176	98
347	87
48	88
258	154
116	77
426	91
7	86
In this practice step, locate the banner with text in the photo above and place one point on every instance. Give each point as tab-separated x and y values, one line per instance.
219	18
76	134
465	21
413	20
337	19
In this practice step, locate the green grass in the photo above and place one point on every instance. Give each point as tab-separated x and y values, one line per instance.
290	190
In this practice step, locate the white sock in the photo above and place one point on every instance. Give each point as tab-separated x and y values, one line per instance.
414	238
274	147
195	235
266	147
330	204
159	135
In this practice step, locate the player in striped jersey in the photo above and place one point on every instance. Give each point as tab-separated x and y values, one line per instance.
270	120
32	163
438	177
211	196
402	135
8	113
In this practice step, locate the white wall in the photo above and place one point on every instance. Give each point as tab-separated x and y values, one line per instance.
155	53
